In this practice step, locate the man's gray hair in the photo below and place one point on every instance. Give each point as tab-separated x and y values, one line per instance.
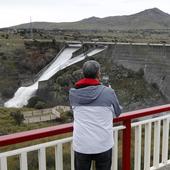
91	69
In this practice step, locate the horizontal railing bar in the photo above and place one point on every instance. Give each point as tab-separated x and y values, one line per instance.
150	120
142	113
35	134
35	147
116	128
121	43
47	144
65	128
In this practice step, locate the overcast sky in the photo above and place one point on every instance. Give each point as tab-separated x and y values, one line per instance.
13	12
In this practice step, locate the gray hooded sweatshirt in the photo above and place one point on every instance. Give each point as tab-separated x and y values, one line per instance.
93	108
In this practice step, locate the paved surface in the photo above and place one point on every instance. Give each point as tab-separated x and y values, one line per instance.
167	167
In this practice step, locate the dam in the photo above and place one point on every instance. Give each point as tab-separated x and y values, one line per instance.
151	59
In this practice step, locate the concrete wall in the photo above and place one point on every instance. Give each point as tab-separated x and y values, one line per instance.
154	60
44	114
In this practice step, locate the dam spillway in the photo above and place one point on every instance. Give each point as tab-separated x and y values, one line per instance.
63	60
23	94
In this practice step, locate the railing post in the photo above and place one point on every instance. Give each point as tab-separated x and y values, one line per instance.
126	149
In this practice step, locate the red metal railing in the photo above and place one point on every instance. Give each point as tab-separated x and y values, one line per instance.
125	118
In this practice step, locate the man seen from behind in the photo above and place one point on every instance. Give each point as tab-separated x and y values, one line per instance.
94	106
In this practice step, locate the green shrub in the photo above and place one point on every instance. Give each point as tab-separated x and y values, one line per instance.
40	105
17	116
154	85
66	117
36	102
32	101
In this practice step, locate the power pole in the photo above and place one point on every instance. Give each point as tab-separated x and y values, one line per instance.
31	26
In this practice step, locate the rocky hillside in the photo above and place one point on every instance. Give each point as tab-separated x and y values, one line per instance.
148	19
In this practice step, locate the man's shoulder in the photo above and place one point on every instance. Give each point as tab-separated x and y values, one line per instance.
108	93
108	89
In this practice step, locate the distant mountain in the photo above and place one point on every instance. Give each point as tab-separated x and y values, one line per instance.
148	19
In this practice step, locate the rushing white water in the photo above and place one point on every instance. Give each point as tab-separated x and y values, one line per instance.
23	94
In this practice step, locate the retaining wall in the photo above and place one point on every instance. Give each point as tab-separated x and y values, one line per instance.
44	114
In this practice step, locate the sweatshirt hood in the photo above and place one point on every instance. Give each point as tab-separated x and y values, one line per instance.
85	95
